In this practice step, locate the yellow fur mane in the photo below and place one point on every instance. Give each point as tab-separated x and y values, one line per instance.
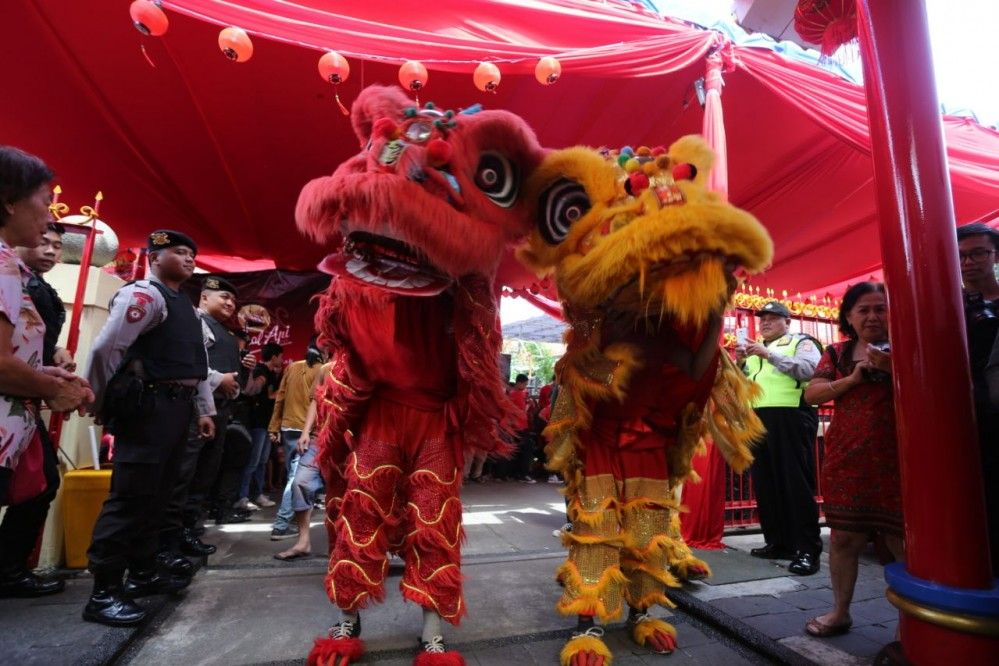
667	250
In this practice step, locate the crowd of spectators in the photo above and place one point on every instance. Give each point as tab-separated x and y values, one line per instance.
195	415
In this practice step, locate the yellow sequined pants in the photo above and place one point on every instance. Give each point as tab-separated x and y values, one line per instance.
624	533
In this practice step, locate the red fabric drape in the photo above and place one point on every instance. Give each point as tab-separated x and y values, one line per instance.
221	151
591	38
704	523
714	124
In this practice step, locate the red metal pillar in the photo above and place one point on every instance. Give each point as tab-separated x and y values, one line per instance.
942	489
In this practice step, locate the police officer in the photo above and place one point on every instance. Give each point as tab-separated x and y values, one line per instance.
202	458
148	369
783	470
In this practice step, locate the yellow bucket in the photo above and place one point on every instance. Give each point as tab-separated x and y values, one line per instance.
83	495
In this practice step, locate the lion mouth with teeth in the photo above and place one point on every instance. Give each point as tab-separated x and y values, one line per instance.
640	233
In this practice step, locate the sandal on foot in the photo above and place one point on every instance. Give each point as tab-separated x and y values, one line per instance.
643	628
819	629
582	642
289	555
435	653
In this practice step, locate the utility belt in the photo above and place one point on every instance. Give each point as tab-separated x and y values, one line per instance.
131	396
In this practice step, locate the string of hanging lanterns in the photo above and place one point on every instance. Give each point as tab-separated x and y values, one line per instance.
235	44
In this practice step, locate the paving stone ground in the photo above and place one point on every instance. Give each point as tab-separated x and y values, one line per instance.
244	607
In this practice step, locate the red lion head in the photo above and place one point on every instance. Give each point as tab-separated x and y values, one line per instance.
433	195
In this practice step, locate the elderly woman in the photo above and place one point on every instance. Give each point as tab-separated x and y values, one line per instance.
24	383
860	482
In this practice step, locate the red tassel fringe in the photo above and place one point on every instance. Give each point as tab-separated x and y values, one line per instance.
449	658
328	651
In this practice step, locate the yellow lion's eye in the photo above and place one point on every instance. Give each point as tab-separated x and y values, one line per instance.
562	203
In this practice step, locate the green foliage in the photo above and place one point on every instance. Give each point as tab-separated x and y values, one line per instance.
534	359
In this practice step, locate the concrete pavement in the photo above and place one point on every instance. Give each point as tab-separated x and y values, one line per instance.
247	608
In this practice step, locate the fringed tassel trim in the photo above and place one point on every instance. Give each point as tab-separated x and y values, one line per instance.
449	658
651	599
584	644
596	516
588	599
730	419
691	568
642	631
329	651
569	539
658	574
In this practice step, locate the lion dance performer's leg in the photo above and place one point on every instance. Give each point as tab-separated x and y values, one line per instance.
620	507
647	514
365	516
402	485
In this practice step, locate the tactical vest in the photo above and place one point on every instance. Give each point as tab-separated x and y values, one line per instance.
223	356
779	390
175	349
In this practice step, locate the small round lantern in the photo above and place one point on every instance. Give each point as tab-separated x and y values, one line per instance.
486	77
334	69
547	71
235	44
413	75
148	18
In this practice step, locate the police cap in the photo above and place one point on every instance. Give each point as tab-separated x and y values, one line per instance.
161	239
775	308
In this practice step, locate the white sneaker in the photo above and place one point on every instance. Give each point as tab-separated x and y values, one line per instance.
562	530
263	500
245	504
528	479
554	479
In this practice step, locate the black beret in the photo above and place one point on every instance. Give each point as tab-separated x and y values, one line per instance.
215	283
161	239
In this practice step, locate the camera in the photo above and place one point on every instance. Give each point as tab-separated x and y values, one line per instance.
976	308
873	374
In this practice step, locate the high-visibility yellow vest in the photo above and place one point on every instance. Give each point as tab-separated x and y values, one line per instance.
779	390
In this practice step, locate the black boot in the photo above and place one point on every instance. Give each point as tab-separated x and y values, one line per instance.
108	605
19	582
147	582
174	563
190	544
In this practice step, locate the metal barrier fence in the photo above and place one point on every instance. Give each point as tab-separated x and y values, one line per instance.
740	500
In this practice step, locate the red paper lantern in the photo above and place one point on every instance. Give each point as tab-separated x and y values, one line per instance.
235	44
413	75
148	18
828	23
486	77
547	70
334	68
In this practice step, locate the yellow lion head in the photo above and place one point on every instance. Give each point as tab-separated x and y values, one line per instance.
638	231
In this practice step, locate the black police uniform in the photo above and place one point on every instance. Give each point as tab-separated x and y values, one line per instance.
201	459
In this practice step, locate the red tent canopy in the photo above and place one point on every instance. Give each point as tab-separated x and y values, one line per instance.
180	137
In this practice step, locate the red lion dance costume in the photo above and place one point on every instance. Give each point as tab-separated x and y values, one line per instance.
644	260
420	219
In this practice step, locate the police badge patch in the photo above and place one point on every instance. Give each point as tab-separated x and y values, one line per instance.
134	313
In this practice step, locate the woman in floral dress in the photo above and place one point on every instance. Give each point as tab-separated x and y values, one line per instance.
861	490
24	217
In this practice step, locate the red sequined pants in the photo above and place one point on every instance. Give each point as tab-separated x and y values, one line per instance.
402	495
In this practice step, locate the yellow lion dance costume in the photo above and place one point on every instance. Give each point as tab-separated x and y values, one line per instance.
644	257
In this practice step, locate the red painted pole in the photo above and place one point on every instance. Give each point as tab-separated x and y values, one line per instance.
942	492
